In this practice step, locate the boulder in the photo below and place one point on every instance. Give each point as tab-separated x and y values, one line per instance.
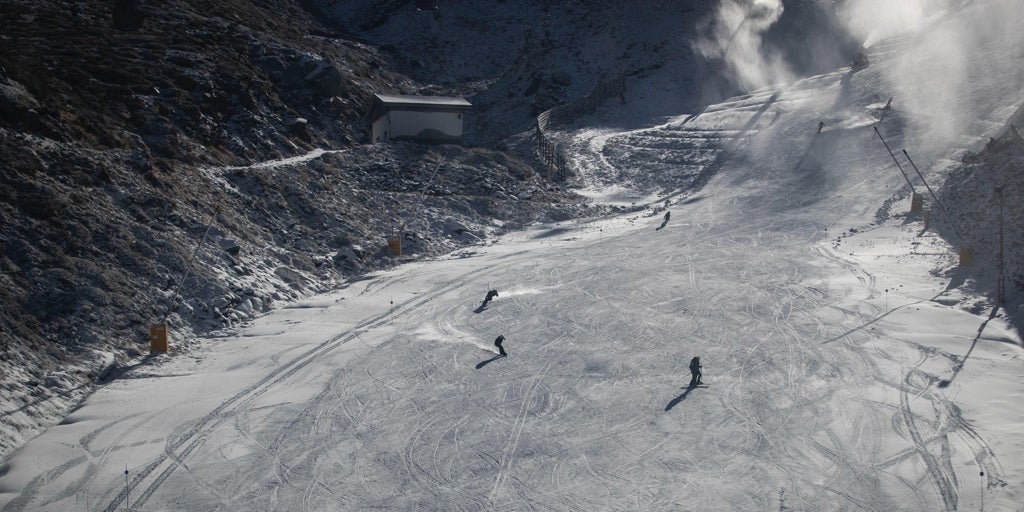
230	246
17	104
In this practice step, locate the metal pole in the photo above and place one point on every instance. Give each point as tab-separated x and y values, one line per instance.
982	494
898	166
126	490
1001	287
943	208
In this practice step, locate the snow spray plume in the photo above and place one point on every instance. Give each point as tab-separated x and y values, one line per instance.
874	20
960	51
734	36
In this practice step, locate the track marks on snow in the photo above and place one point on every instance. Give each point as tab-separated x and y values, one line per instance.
149	478
508	455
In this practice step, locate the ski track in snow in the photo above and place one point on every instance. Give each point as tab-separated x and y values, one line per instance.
149	479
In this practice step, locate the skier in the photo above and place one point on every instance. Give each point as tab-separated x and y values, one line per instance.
695	373
497	343
490	295
664	222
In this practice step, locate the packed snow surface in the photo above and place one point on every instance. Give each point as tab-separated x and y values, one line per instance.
841	371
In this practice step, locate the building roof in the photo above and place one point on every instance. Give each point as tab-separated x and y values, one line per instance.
382	103
394	100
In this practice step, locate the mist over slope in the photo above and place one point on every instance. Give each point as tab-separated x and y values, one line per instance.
955	80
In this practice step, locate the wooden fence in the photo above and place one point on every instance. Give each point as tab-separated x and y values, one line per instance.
549	151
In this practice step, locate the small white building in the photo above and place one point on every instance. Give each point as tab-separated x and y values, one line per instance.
435	119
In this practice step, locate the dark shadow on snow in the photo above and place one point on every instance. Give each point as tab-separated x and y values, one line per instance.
810	147
480	308
946	382
1014	315
118	372
879	317
481	364
553	232
675	401
757	115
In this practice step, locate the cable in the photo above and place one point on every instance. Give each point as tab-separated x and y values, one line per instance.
898	166
188	267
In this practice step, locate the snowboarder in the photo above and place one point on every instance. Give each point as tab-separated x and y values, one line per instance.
695	374
497	343
667	215
490	295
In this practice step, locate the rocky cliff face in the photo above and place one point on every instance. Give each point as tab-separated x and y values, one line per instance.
129	193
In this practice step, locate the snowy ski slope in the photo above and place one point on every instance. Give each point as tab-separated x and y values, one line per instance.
840	375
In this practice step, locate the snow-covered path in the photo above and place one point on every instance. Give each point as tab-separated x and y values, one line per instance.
839	374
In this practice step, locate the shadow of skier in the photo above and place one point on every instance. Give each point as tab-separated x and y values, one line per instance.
675	401
481	364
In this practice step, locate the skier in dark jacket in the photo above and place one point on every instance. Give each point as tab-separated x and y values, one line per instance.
695	374
497	343
490	295
664	222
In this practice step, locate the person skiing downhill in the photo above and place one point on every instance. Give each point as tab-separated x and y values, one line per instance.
497	343
664	222
490	295
695	374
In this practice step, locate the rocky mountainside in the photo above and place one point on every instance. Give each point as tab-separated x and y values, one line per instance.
129	193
